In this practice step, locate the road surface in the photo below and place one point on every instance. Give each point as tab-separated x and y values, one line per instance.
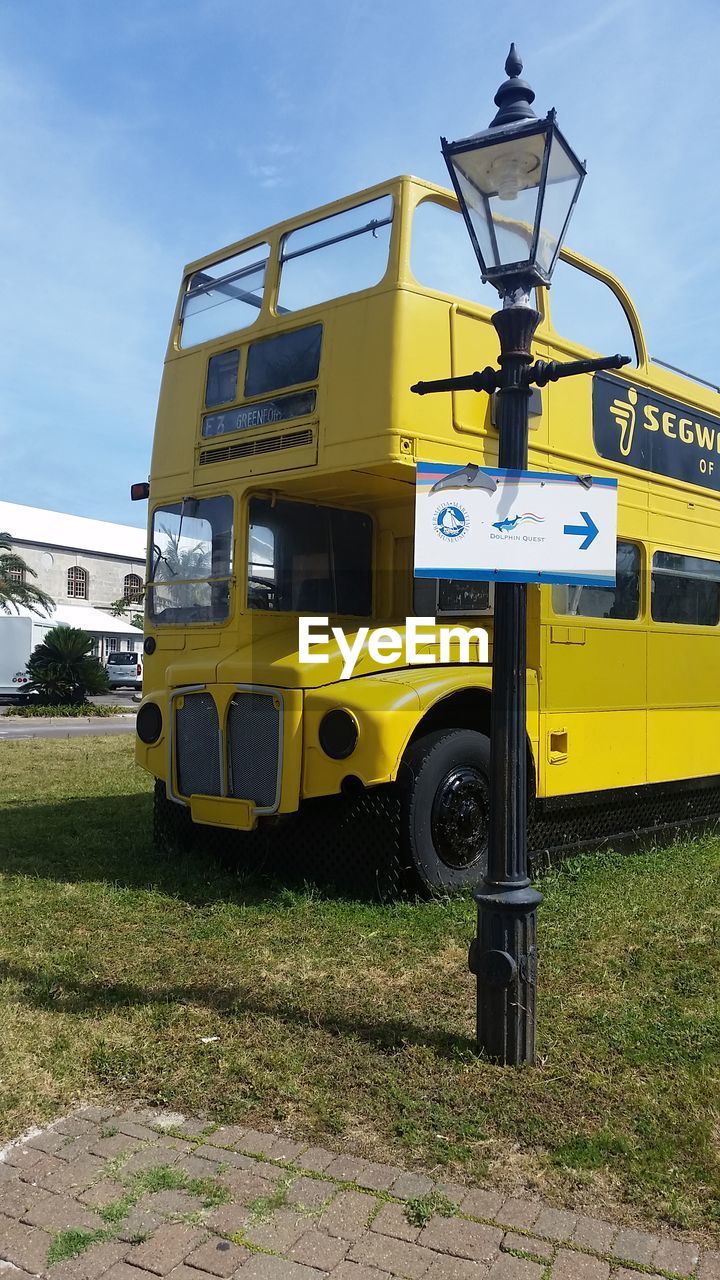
14	727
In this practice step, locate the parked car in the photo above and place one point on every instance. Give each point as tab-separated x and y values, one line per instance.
125	670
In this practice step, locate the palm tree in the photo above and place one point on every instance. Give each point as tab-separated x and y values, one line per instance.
62	670
15	590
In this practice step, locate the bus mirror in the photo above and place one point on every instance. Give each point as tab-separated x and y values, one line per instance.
139	491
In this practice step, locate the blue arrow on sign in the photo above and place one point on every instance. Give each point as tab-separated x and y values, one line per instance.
588	531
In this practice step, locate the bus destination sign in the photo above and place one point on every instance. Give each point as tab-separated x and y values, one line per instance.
649	431
262	413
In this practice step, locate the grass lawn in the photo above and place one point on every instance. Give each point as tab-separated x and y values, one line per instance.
351	1022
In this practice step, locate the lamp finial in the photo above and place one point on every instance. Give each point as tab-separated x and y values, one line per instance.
514	96
513	62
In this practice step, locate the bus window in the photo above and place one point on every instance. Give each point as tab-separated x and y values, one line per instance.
224	297
261	566
460	596
341	254
586	311
191	561
307	559
283	361
685	589
442	257
621	601
222	377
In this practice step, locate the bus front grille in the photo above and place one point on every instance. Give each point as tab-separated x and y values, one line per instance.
254	734
197	753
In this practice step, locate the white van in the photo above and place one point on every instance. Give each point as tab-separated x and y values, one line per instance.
124	670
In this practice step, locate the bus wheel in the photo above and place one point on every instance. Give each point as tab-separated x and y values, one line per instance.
446	791
172	824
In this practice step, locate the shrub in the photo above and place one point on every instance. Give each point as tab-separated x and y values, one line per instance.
62	670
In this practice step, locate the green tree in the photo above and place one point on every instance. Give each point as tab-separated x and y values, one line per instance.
62	669
123	608
15	590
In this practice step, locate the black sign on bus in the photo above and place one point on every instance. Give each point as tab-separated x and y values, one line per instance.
654	433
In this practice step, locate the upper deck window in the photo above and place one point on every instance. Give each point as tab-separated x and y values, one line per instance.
341	254
222	376
585	310
442	257
224	297
283	361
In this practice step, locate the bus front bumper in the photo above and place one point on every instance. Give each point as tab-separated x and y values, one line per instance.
223	811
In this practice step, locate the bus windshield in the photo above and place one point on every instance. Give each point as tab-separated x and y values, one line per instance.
307	559
191	563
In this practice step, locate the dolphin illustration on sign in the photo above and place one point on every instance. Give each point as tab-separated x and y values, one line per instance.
509	522
469	477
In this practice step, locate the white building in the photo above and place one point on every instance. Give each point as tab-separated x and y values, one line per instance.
85	566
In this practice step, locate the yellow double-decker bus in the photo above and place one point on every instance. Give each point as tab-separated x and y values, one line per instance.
282	486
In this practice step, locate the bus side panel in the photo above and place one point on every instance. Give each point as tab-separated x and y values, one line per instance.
594	725
683	711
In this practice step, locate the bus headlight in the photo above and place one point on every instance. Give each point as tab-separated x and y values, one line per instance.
149	723
338	734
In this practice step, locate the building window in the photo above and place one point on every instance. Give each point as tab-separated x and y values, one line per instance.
132	588
16	575
77	583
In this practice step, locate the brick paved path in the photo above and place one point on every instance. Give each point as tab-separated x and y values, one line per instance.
141	1194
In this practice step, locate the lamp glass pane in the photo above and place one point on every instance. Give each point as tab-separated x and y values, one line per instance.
514	222
499	182
479	212
563	178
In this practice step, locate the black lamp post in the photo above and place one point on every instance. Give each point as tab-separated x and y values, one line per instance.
516	184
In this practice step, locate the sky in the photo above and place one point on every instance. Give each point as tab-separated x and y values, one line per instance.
140	135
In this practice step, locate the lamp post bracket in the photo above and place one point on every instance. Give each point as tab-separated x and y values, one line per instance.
544	371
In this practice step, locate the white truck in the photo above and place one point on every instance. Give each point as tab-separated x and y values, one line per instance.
18	637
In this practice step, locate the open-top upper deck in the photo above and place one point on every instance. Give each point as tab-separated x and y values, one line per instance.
293	351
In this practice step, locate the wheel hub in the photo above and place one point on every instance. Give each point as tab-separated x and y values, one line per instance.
460	817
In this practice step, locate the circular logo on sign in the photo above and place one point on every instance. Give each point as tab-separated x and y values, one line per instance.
450	522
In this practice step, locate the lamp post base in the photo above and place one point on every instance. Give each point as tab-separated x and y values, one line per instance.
503	958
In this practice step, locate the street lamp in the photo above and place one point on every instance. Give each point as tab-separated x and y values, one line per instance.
516	184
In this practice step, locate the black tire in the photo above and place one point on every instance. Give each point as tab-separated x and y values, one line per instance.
445	790
173	828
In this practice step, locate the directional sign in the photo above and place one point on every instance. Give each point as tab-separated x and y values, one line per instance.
514	526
